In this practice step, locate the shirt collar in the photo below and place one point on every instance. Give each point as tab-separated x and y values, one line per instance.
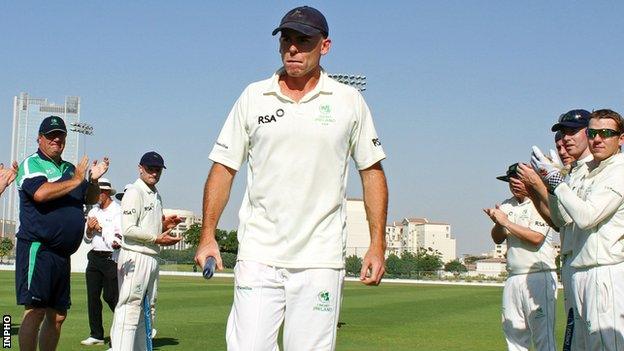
45	157
615	159
141	184
582	162
322	87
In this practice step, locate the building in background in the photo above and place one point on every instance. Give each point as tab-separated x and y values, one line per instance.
394	238
420	233
188	218
410	234
500	250
28	112
358	233
490	267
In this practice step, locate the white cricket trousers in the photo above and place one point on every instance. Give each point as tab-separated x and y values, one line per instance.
578	341
137	274
306	300
599	293
529	311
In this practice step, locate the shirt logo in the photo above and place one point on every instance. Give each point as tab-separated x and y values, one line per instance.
129	212
271	118
325	116
376	142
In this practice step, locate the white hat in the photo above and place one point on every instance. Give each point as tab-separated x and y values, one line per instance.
105	184
120	195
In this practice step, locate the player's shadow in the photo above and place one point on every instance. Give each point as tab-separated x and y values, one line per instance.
158	342
14	329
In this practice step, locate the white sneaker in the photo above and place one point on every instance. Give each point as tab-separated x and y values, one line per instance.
92	341
154	331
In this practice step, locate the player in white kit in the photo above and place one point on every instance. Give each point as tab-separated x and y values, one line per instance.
144	230
531	288
297	131
597	209
573	127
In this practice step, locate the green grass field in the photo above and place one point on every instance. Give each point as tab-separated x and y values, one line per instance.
191	315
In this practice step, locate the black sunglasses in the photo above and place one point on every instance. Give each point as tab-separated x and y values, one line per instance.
604	133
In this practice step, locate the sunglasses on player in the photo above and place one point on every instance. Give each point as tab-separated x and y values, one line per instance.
604	133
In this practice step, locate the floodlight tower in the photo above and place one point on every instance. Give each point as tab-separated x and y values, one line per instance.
84	129
356	81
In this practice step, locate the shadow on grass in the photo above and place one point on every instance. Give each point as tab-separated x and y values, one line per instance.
158	342
14	329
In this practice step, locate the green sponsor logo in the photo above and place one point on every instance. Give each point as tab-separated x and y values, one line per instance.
325	116
323	296
324	302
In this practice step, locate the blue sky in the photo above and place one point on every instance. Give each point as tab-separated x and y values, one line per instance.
459	90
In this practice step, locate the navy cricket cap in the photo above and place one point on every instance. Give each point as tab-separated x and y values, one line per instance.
512	171
572	119
52	124
306	20
152	159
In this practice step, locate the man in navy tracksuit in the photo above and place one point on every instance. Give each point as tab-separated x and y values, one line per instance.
52	194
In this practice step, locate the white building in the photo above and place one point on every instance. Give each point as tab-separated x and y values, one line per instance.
358	233
500	250
407	235
422	233
188	218
394	238
490	267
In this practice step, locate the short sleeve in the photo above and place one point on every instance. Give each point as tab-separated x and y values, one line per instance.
31	185
366	149
30	176
232	144
538	224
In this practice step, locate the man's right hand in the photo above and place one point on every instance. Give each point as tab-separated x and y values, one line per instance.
92	224
165	239
205	249
81	169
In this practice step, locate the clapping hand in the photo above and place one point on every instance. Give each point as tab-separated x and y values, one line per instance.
171	222
7	175
496	215
544	166
99	168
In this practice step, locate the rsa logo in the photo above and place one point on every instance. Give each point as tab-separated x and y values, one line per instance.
271	118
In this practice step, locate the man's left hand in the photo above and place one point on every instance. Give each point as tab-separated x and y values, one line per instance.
496	215
171	222
528	176
99	168
373	267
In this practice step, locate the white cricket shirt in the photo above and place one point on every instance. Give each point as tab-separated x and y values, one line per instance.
523	257
141	219
110	221
598	211
559	216
293	214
